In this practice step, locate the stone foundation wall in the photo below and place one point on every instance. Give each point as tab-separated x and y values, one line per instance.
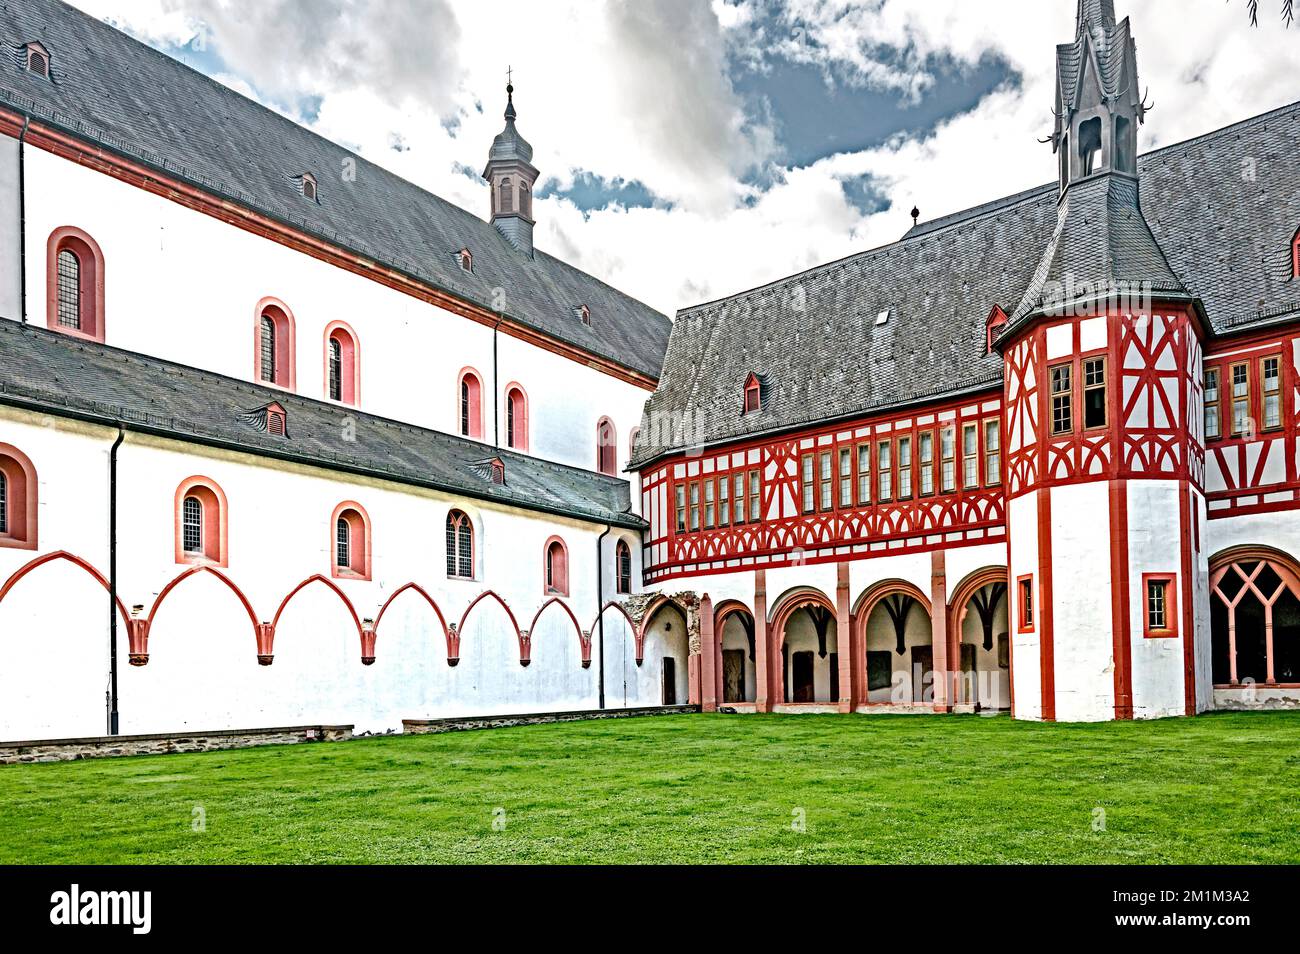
105	746
459	724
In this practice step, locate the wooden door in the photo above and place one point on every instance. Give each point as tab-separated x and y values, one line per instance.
733	675
670	681
922	666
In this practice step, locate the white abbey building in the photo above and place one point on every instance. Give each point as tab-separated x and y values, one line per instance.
347	453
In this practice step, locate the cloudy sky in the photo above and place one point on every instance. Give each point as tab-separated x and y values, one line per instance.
693	148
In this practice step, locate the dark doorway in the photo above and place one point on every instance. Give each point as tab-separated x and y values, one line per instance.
733	675
670	681
802	670
969	688
835	677
922	666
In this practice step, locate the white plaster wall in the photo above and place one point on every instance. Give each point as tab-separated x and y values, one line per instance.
1026	669
913	568
1082	643
961	562
1155	546
202	672
163	298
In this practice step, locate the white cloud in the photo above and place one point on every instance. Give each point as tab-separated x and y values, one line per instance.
640	90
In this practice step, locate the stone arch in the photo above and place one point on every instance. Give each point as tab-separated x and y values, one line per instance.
453	651
894	633
982	667
1254	617
807	665
737	682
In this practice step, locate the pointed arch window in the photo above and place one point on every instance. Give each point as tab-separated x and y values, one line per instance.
606	447
557	567
342	364
516	417
273	355
623	565
469	404
75	284
201	522
460	546
350	541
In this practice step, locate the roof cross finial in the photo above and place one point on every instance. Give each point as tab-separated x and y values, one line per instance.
510	93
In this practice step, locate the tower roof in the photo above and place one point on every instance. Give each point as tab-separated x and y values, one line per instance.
509	146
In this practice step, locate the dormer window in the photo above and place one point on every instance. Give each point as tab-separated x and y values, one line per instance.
498	471
275	421
583	314
309	186
38	60
993	325
753	394
272	419
1295	256
466	260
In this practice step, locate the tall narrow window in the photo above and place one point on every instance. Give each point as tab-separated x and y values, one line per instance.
724	500
525	200
1062	398
1094	392
1212	402
948	458
695	506
268	349
992	452
507	192
470	404
192	529
1025	603
4	504
825	477
606	447
516	418
557	568
1270	384
752	395
1161	605
1157	617
335	360
17	499
710	505
273	360
69	289
846	477
808	489
681	508
1240	398
740	497
460	546
904	468
864	475
884	471
755	504
925	457
970	456
343	544
623	557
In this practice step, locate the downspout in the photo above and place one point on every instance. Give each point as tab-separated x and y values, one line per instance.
112	582
22	218
600	615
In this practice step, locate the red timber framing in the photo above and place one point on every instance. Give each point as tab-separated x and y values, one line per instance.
1252	415
887	484
101	159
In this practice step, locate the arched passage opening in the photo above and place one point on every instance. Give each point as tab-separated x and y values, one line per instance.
733	625
807	635
980	638
1254	618
665	656
896	633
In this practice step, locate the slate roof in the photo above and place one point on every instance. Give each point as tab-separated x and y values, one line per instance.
118	93
1224	208
69	377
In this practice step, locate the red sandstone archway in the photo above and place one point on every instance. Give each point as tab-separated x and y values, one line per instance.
894	594
821	610
1241	579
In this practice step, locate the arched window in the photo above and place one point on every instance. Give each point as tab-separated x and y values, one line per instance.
606	447
460	546
631	441
1254	618
466	260
201	522
273	356
1295	256
309	186
17	499
623	561
342	364
557	567
350	539
525	201
507	196
469	397
75	284
516	417
38	60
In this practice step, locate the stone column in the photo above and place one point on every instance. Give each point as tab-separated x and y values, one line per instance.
844	639
762	664
939	630
708	657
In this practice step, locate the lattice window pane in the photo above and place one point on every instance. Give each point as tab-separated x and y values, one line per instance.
4	503
1156	612
336	370
343	543
192	525
268	349
69	282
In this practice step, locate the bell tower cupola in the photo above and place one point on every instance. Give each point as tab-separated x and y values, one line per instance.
511	176
1098	106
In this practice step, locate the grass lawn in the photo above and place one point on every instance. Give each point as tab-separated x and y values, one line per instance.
696	788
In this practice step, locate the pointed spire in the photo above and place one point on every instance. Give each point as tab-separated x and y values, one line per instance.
511	176
1099	14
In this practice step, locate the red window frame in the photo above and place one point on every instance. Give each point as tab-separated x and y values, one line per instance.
1025	603
1170	584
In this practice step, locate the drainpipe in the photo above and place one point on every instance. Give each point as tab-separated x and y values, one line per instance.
600	616
22	218
112	582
